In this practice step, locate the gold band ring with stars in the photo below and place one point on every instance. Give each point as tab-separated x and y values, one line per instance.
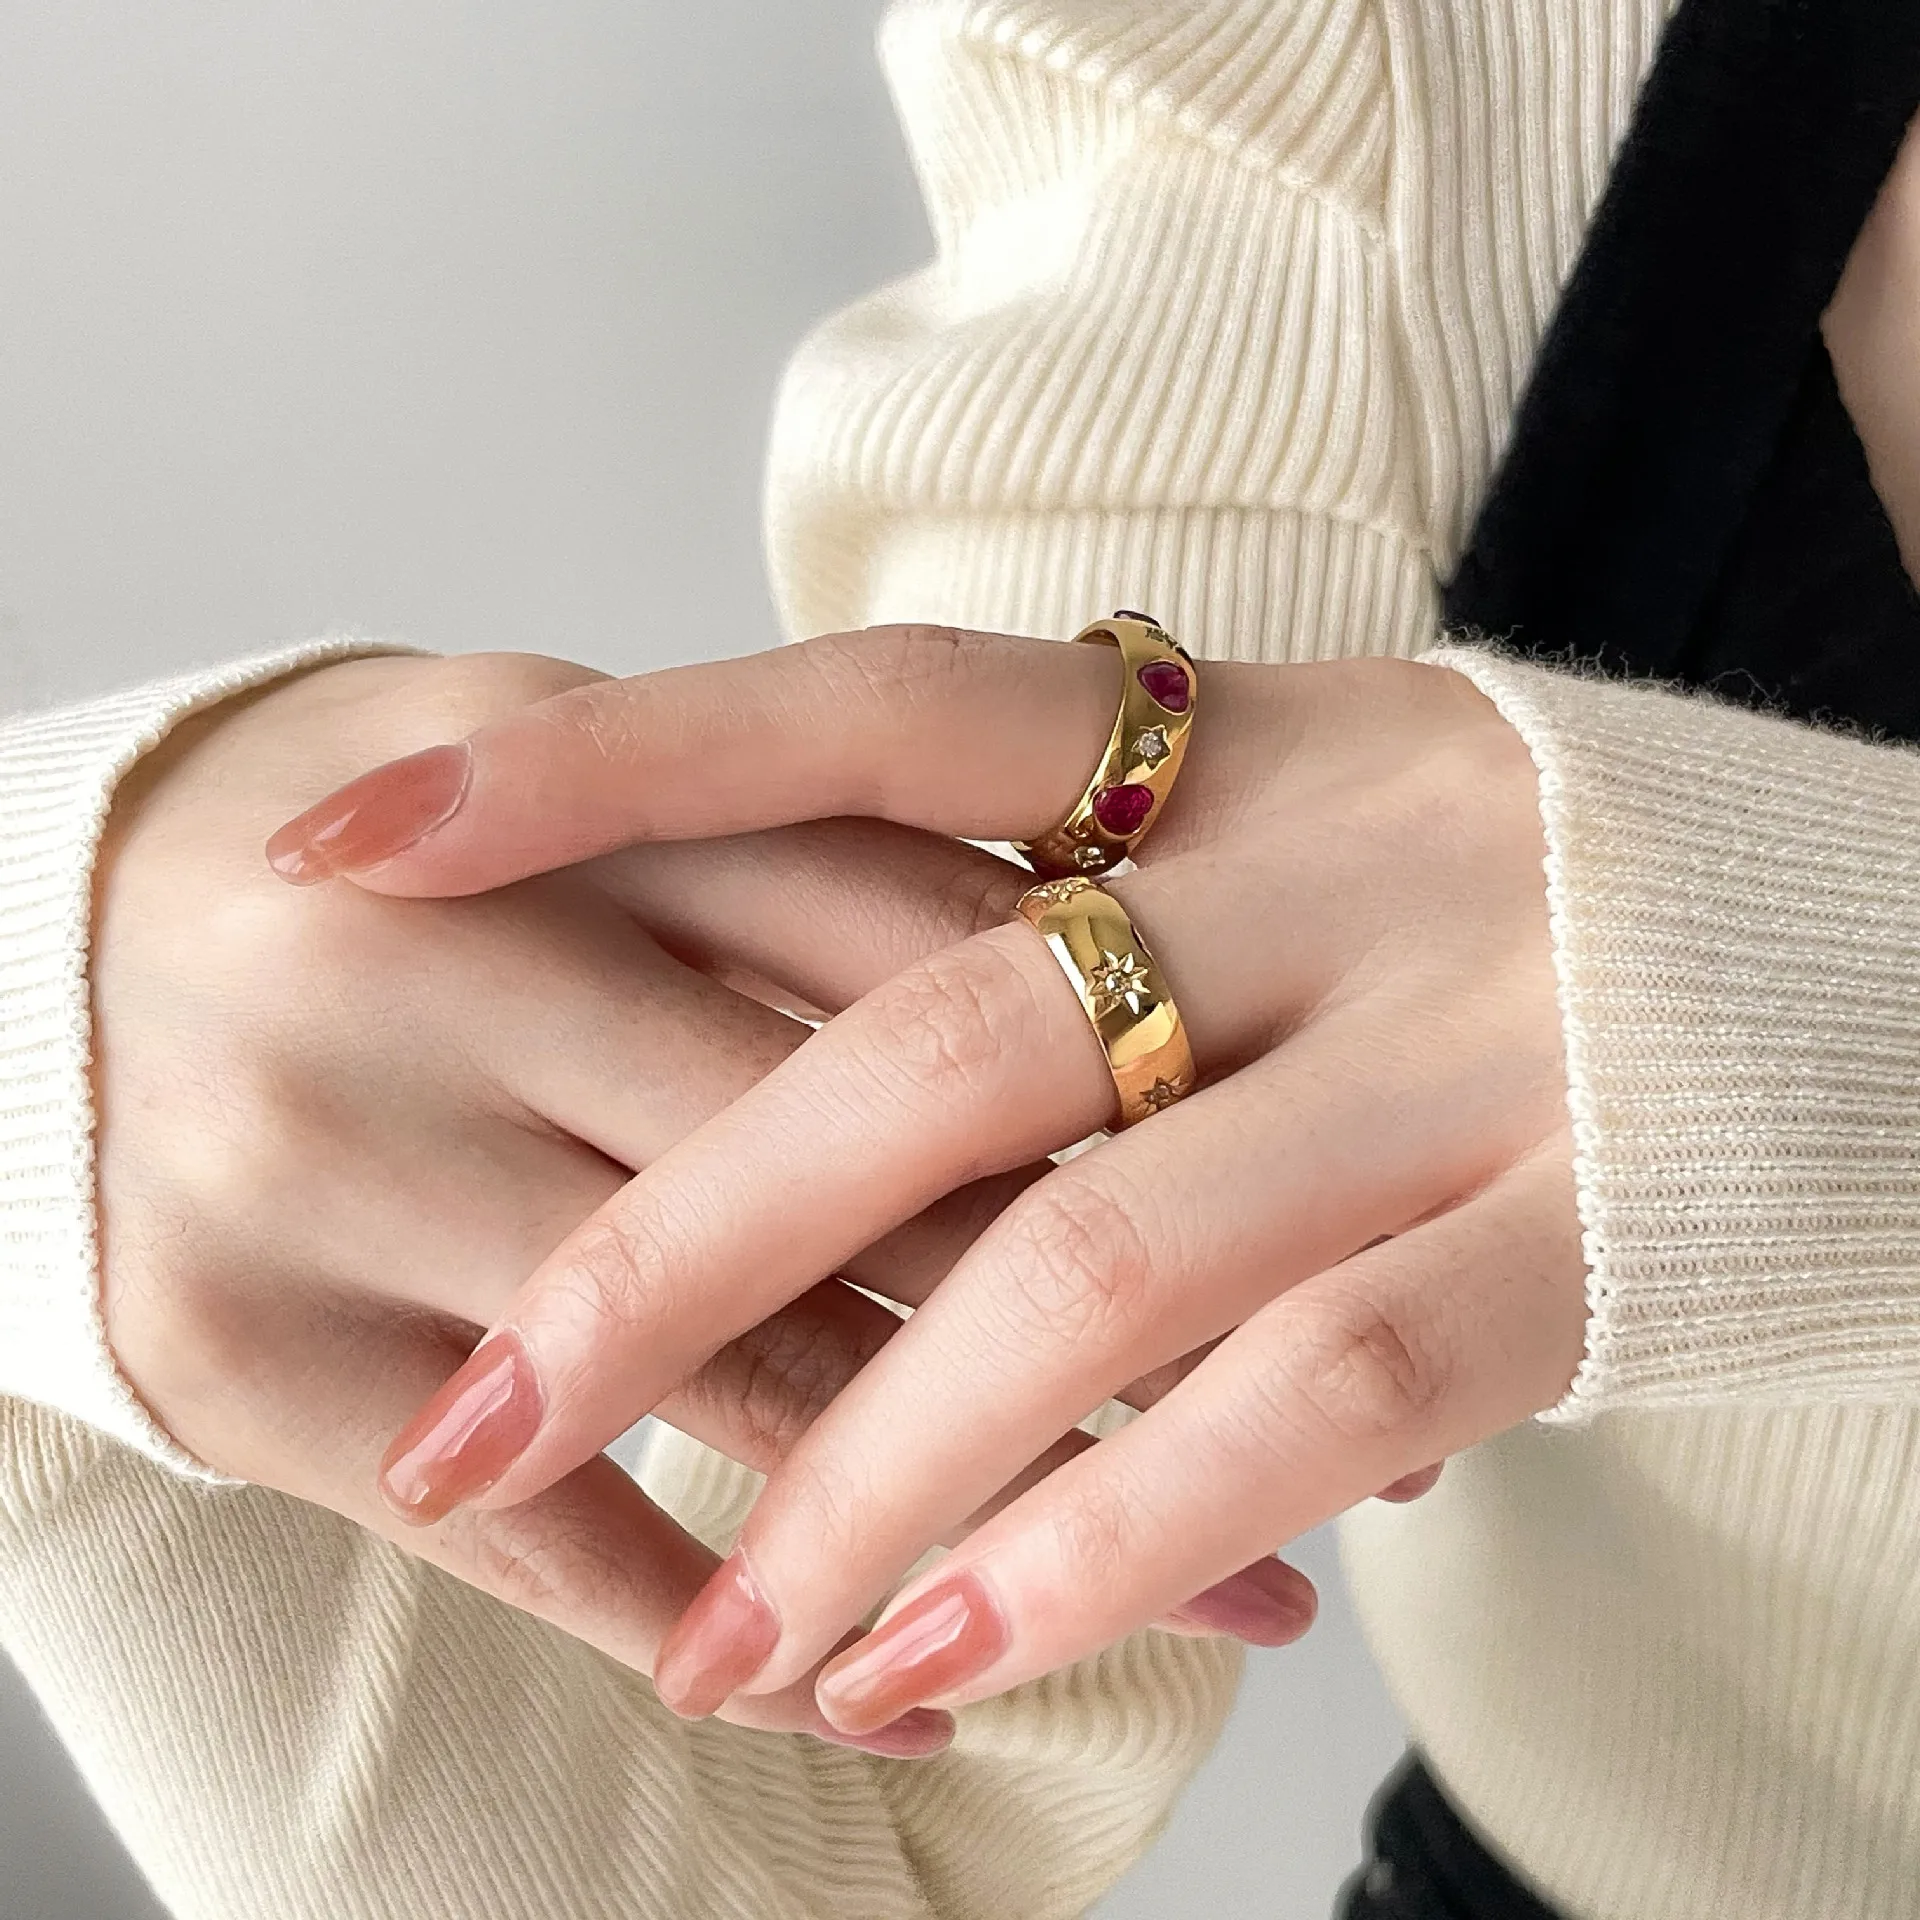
1120	985
1143	752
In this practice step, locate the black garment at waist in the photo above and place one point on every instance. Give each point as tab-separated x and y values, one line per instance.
1423	1864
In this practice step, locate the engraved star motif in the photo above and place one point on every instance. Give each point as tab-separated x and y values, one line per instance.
1162	1094
1053	892
1152	747
1120	982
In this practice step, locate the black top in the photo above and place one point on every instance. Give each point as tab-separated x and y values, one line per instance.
1683	493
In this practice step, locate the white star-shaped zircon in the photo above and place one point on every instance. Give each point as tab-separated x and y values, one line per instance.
1120	982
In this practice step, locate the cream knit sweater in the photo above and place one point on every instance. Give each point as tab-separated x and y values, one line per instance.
1232	303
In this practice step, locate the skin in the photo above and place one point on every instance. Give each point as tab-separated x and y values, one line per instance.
335	1135
1365	1218
1459	1312
245	1316
1872	331
337	1132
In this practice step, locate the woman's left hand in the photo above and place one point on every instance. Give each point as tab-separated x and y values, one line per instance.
1363	1221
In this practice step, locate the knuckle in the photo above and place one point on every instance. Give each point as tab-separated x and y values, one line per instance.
830	1503
887	663
770	1385
1097	1535
181	1335
474	688
1363	1371
612	1269
541	1558
1385	819
951	1023
610	722
974	897
1080	1267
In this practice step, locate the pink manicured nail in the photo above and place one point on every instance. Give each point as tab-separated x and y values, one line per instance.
1267	1605
914	1736
724	1638
371	819
1413	1485
467	1436
951	1634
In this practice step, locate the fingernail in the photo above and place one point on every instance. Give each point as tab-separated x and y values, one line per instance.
1266	1604
724	1638
467	1436
951	1634
374	817
914	1736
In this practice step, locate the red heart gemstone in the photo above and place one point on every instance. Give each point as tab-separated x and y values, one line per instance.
1123	810
1167	681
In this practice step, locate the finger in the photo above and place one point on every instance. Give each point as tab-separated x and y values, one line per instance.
760	1394
599	1033
485	1216
594	1028
489	1202
1409	1350
826	909
831	910
591	1555
974	1061
973	1064
979	735
487	1205
596	1035
634	1050
1117	1261
496	1201
505	1203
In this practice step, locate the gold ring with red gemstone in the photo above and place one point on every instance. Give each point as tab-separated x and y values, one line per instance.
1123	799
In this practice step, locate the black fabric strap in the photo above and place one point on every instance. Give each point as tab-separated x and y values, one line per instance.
1683	493
1424	1863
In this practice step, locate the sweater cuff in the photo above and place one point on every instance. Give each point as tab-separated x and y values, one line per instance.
1735	908
58	773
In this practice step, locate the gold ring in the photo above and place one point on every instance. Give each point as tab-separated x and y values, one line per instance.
1143	753
1122	988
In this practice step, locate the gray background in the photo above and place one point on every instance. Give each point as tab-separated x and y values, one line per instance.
461	322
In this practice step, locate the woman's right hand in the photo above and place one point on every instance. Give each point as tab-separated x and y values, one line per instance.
338	1131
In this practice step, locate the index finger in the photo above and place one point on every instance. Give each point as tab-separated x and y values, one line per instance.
983	736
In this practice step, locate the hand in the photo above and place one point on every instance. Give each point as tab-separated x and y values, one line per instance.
1367	1211
337	1132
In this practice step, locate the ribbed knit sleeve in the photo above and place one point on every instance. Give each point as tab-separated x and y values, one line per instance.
58	772
286	1718
1735	903
284	1715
